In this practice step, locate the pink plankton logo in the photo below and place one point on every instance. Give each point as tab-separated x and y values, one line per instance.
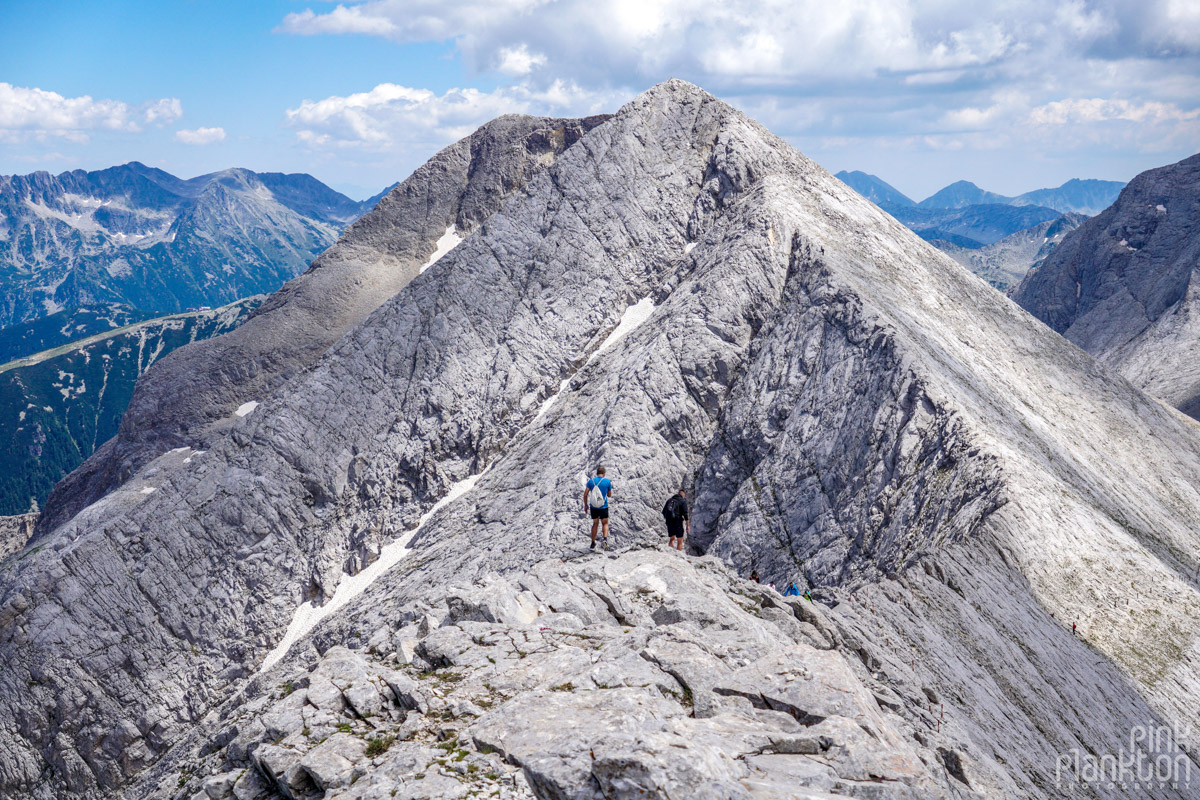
1151	758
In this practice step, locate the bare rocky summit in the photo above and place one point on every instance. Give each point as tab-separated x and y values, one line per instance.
389	544
1121	288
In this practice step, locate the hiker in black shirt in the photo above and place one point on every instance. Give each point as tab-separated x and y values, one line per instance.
675	512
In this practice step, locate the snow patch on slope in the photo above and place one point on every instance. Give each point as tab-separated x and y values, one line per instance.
351	586
633	317
448	242
246	408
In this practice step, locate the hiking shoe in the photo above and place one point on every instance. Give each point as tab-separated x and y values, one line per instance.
593	547
605	543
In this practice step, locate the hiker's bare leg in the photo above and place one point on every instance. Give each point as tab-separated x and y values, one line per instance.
605	522
679	543
595	524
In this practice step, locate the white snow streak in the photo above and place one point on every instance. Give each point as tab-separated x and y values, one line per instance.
448	242
689	247
149	489
351	586
550	400
634	316
246	408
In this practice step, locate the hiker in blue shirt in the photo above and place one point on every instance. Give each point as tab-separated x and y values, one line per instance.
595	499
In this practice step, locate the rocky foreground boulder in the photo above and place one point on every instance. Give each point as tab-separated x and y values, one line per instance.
1000	529
631	674
1120	286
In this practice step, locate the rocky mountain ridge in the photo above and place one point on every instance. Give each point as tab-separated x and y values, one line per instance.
188	398
851	409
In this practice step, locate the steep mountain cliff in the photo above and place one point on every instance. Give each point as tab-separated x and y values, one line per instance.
58	406
1120	286
141	237
681	296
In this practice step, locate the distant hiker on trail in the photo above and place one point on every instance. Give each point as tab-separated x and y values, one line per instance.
754	575
792	591
595	498
675	512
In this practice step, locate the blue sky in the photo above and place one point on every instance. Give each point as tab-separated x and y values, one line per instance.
1014	95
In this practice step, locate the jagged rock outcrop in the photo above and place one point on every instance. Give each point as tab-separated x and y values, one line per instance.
187	400
15	530
1122	285
851	408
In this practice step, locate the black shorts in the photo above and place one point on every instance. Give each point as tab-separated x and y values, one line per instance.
599	513
675	528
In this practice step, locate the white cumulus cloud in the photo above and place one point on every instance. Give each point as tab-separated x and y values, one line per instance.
1052	77
38	112
201	136
1098	109
518	60
391	115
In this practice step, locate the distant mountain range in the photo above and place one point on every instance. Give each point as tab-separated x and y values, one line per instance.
143	238
89	264
1004	263
997	237
974	226
1087	197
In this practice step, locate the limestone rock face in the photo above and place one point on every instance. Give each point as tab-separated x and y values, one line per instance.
186	399
682	297
1122	286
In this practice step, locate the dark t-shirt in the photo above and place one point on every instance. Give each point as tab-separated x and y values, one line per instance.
675	509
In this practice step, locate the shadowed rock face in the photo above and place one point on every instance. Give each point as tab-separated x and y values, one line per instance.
851	408
1122	285
185	398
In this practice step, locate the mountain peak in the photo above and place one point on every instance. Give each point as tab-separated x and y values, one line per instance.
875	189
